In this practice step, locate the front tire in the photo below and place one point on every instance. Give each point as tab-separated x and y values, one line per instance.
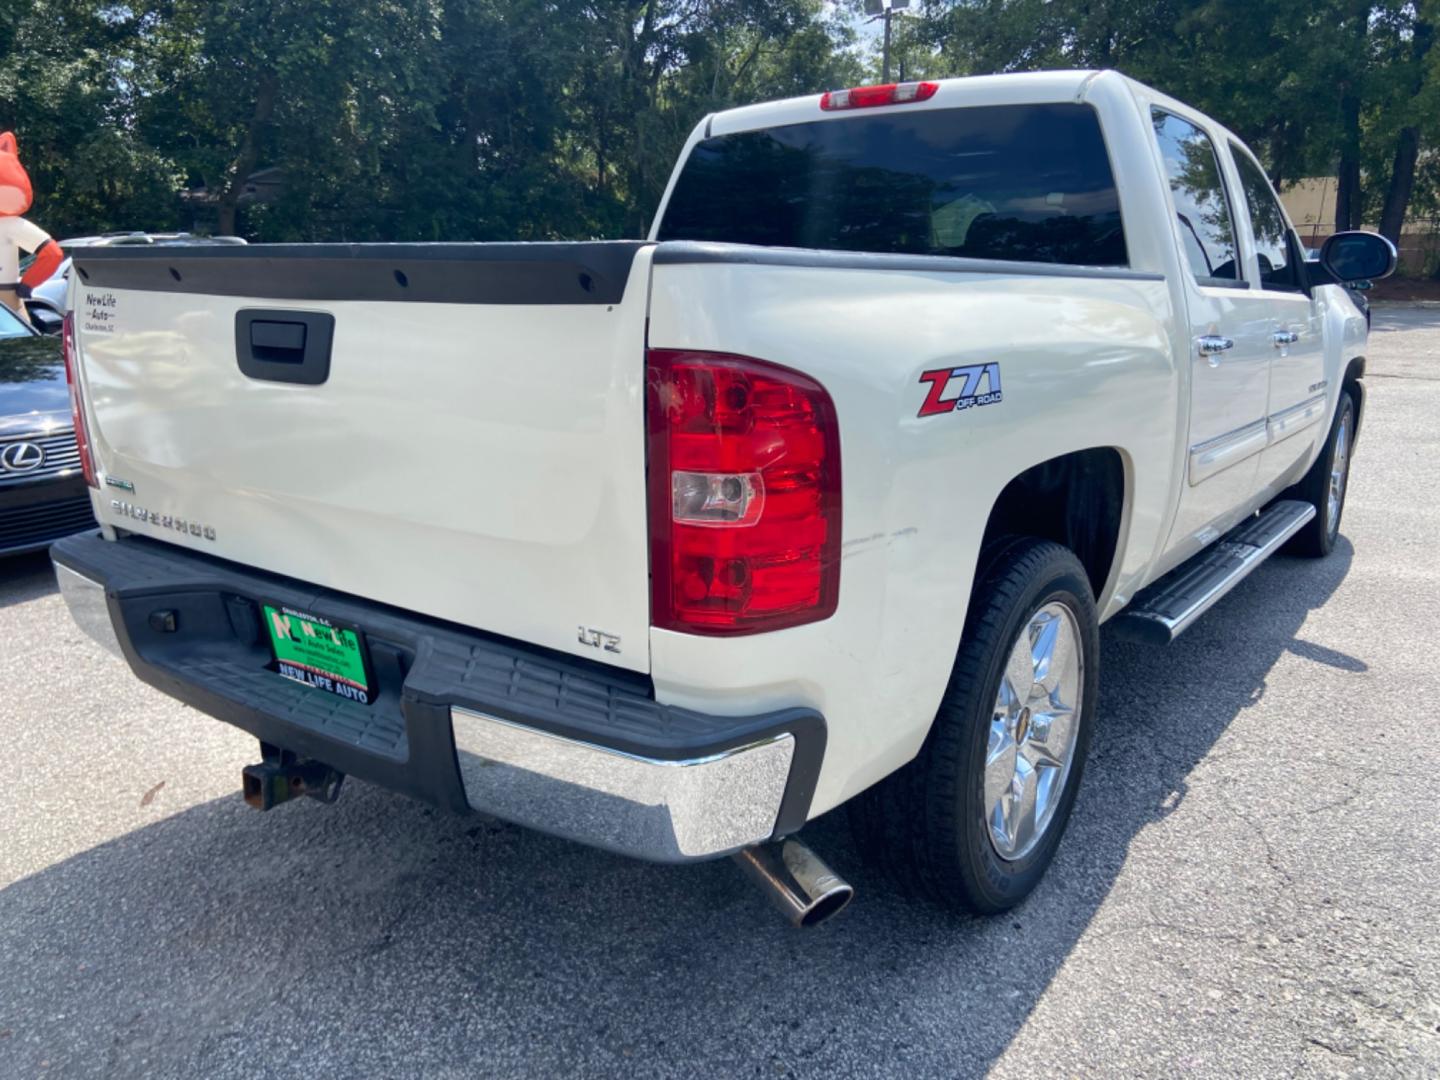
974	821
1325	485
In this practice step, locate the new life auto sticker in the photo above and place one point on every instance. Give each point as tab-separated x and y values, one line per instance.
100	310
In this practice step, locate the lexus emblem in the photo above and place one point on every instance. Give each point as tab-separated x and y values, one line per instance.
22	457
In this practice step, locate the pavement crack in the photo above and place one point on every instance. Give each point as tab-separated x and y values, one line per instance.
1312	1040
1334	804
1271	858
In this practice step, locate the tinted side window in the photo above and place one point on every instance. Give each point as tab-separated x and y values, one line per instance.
1206	227
1267	221
1025	182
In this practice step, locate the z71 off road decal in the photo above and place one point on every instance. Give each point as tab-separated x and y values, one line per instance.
964	384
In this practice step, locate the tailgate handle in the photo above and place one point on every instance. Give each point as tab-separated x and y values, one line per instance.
283	342
284	346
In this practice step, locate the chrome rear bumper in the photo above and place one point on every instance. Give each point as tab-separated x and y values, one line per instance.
86	601
666	811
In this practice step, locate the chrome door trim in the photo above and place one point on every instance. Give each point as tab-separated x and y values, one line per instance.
1297	418
1217	454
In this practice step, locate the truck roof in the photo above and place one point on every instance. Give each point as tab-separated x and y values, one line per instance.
1017	88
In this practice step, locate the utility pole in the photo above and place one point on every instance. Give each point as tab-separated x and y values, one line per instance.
885	9
885	62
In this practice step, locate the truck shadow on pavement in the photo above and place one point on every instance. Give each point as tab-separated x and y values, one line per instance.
379	937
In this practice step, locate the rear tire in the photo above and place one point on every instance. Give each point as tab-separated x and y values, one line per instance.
940	825
1326	484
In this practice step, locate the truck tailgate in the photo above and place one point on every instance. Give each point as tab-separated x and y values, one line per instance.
475	451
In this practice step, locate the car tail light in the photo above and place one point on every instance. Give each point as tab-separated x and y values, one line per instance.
868	97
744	494
77	404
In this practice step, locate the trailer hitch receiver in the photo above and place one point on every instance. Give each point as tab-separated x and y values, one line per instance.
282	776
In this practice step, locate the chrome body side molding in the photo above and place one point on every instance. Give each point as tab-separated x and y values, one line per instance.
1297	418
1217	454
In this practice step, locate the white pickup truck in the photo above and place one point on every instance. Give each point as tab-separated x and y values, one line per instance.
818	496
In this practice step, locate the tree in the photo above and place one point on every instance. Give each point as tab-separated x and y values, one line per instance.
650	69
63	92
1315	85
1414	102
228	85
533	119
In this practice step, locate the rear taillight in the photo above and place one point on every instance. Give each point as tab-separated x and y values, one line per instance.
77	404
868	97
744	495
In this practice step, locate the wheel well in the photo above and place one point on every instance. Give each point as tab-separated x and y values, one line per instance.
1354	372
1077	500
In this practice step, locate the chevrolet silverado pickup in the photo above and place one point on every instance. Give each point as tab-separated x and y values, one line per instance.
817	496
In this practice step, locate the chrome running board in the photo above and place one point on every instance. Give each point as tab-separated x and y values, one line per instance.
1163	611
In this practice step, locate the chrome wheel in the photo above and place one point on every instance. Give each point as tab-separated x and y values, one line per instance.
1032	731
1339	472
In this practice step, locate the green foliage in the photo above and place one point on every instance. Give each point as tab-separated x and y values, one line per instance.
1278	72
544	119
65	94
388	119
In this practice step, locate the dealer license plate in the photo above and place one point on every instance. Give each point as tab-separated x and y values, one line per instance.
318	652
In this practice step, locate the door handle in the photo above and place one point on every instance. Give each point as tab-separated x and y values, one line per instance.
1213	345
1285	337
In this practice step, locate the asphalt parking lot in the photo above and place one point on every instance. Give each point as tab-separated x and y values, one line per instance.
1250	886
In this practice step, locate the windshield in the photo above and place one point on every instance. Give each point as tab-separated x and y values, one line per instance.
1023	182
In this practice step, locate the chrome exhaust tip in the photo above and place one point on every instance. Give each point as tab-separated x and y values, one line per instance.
806	890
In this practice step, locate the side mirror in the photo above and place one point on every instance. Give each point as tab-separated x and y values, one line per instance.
45	319
1357	256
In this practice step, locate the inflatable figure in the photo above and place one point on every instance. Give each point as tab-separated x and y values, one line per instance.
17	234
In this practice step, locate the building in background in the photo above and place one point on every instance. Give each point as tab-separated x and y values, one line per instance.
1311	206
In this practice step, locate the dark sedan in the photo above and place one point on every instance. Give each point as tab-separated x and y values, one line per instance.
42	489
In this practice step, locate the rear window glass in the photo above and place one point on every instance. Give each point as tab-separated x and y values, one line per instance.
1025	182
